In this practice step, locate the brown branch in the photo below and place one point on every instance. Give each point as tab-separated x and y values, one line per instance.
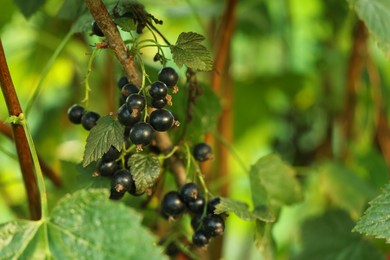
22	148
102	17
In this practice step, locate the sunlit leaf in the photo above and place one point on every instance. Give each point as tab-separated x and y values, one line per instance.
145	170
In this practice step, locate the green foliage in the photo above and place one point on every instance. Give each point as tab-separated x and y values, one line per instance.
28	8
72	9
189	51
375	221
127	24
375	14
145	170
242	211
108	132
329	237
86	221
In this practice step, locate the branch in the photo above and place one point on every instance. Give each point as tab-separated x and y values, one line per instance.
22	148
102	17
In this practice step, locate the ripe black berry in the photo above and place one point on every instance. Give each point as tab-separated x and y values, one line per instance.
200	239
169	76
128	116
89	119
202	152
212	205
75	113
213	225
141	134
96	29
159	102
122	81
189	192
115	195
122	181
129	89
136	101
161	119
105	168
112	154
197	205
172	205
196	222
158	89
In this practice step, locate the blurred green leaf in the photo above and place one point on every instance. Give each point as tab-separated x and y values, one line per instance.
329	237
107	132
189	51
127	24
375	221
87	221
375	14
72	9
263	239
145	170
29	7
242	211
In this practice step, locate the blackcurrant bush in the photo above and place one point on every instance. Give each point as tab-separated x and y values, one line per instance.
141	134
129	89
122	81
172	205
202	152
169	76
200	239
136	101
189	192
75	113
89	119
213	225
106	168
212	205
122	181
128	116
161	119
196	222
111	155
197	205
159	102
158	89
96	29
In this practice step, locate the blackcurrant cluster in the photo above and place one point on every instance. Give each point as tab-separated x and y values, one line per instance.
78	115
205	222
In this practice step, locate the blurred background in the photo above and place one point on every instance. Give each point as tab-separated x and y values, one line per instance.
299	78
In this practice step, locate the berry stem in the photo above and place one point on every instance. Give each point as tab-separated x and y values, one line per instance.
87	86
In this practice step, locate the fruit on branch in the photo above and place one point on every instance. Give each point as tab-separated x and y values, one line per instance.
122	181
141	134
106	168
111	155
213	225
136	101
89	119
212	205
75	113
197	205
128	89
128	116
169	76
189	192
158	89
121	82
159	102
172	205
115	195
96	29
202	152
200	239
161	120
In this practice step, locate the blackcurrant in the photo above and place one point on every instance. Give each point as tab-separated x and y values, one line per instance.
136	101
122	181
161	119
172	205
189	192
89	119
196	222
122	81
129	89
111	155
200	239
202	152
197	205
213	225
141	134
115	195
75	113
157	57
128	116
169	76
106	168
212	205
159	102
96	29
158	89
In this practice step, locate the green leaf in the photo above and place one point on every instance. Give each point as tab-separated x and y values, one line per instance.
145	170
375	14
329	237
375	221
263	239
72	9
107	132
29	7
84	225
242	210
278	180
127	24
189	51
